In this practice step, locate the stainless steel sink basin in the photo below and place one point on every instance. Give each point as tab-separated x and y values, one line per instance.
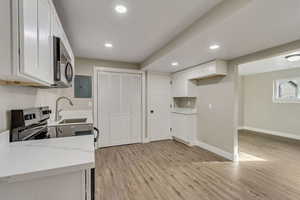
73	121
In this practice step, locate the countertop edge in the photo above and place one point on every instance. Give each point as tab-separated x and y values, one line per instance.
46	173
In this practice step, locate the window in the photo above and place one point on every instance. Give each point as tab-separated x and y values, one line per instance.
287	91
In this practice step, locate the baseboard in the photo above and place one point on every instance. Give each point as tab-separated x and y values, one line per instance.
270	132
160	139
220	152
182	141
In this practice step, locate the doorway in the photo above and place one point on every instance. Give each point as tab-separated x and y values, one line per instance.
269	109
159	106
118	106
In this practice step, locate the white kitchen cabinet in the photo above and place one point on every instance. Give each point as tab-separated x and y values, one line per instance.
27	30
45	41
58	31
182	86
68	186
179	85
184	127
184	83
35	40
213	69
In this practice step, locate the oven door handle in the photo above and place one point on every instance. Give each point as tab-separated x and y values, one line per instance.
97	136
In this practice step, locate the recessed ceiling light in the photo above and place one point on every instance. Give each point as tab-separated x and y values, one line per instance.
175	63
214	47
108	45
121	9
293	57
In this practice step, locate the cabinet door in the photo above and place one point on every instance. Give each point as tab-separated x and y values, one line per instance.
179	85
29	38
178	126
45	41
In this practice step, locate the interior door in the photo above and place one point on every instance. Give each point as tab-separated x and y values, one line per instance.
119	108
159	101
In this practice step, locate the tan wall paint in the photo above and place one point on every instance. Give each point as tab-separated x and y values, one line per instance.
216	125
259	109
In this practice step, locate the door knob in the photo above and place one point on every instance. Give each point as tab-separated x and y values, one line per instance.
152	111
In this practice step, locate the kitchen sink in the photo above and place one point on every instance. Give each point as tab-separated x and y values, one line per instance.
73	121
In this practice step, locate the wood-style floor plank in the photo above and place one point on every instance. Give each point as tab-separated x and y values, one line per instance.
168	170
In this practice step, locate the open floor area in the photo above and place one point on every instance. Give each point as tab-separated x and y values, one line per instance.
143	100
268	169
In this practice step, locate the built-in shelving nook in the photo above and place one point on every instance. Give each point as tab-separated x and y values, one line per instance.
185	105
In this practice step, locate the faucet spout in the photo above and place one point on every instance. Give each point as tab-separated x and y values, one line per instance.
57	116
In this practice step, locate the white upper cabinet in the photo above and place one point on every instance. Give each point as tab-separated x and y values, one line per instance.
213	69
28	30
183	82
30	25
182	86
179	86
45	41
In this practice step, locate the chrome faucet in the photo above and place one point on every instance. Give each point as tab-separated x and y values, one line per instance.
57	116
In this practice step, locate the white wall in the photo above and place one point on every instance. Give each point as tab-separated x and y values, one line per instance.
259	109
15	97
12	97
83	67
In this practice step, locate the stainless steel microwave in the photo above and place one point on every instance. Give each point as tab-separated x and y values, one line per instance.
63	69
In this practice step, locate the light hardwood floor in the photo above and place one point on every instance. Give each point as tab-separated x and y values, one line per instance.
168	170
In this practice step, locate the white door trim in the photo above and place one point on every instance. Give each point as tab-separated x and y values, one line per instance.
95	95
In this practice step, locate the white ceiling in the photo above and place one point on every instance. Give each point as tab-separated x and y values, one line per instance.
148	25
258	25
268	65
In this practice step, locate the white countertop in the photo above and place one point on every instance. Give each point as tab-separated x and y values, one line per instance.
45	157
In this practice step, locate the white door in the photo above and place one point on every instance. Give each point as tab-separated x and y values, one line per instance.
119	100
159	110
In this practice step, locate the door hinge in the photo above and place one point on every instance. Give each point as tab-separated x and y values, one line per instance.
171	82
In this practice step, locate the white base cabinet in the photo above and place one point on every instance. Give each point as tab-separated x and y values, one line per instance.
184	127
70	186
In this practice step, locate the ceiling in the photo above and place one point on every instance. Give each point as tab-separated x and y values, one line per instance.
146	27
269	65
248	28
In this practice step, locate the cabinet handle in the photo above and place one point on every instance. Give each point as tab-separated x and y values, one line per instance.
98	133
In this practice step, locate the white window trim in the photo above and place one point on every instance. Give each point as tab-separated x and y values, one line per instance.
275	93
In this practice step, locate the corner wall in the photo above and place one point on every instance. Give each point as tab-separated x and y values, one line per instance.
217	127
216	122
